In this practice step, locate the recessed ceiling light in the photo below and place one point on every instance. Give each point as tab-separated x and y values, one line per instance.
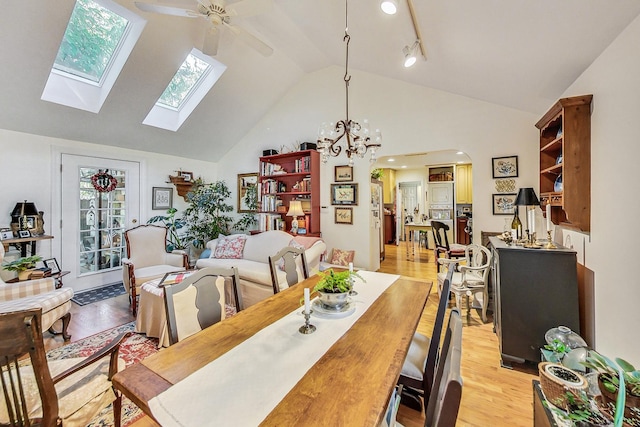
404	166
460	162
460	152
391	160
390	7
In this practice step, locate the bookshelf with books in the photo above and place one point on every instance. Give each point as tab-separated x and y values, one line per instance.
284	178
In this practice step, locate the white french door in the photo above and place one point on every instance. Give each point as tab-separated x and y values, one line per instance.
100	200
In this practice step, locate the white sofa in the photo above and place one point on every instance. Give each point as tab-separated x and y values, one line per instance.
253	268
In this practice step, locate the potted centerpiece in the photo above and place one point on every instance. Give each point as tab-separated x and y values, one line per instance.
23	266
333	288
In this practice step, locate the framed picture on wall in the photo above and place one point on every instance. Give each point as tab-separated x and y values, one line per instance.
246	181
343	173
504	204
344	194
505	167
344	216
162	198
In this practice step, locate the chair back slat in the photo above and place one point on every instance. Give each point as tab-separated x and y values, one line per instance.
288	254
195	303
433	352
22	335
444	402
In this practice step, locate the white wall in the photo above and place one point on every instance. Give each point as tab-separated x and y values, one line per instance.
28	164
614	81
412	119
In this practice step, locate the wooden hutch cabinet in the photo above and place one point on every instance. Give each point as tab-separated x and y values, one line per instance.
284	178
565	161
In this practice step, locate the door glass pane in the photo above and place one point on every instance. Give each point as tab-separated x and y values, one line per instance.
102	219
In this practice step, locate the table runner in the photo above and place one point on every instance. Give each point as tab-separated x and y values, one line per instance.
244	385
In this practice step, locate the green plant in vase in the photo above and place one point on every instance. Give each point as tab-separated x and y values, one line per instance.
21	265
333	288
555	351
206	215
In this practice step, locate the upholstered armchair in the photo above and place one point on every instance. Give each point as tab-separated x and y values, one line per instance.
55	303
148	259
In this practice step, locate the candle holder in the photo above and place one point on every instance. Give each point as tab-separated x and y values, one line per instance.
307	328
549	244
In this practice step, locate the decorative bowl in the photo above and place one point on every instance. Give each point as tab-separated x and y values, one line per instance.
333	301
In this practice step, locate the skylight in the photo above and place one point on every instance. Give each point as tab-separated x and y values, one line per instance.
184	82
193	80
99	37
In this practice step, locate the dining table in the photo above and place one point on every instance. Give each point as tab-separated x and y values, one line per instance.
410	229
257	368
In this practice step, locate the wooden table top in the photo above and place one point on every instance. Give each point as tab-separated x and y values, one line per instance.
361	368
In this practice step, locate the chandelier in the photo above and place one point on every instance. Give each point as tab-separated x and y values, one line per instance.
357	137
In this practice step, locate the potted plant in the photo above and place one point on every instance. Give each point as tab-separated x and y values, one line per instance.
554	351
619	383
581	410
23	266
206	215
173	224
333	288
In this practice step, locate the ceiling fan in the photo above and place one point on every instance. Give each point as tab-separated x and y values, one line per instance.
219	16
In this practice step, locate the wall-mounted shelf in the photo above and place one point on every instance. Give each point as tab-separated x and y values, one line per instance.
183	186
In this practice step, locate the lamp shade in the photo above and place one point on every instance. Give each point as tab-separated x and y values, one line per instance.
24	208
295	208
527	197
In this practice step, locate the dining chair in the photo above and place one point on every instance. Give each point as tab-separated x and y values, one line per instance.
444	402
284	267
68	391
471	279
418	369
441	242
148	259
197	302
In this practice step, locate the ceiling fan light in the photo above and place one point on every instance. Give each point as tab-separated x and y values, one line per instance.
390	7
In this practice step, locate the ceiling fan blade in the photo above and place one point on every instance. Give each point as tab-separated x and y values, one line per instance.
245	8
250	39
166	10
211	40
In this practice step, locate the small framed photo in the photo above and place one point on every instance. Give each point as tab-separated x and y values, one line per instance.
52	264
344	215
504	204
162	198
343	173
505	167
6	234
344	194
24	233
187	176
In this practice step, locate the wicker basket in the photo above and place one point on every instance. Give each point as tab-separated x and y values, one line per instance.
555	387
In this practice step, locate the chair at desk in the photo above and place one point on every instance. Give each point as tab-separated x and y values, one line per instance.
198	301
442	246
444	402
418	370
69	391
471	279
287	270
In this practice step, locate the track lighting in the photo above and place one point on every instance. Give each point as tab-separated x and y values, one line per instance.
390	7
410	54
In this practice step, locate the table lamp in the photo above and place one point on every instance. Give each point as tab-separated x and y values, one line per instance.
527	197
295	210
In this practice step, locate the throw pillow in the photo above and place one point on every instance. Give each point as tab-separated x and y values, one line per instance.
342	257
230	247
294	244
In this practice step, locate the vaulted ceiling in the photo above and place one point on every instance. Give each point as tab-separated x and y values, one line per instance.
513	53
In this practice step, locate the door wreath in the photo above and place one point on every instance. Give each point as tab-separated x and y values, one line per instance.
104	182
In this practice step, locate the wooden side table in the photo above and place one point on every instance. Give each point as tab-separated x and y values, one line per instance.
57	277
22	242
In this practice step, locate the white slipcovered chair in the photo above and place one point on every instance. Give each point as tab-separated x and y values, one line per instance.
470	279
38	293
148	259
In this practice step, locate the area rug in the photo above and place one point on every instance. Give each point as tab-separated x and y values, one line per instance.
132	350
95	295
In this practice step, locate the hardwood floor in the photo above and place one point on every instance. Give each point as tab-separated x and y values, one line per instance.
492	396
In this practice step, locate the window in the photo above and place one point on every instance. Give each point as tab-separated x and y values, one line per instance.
99	37
193	80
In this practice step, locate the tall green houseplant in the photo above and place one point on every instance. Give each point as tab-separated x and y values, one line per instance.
207	215
248	220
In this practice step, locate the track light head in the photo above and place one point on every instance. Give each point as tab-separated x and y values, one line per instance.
410	57
390	7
